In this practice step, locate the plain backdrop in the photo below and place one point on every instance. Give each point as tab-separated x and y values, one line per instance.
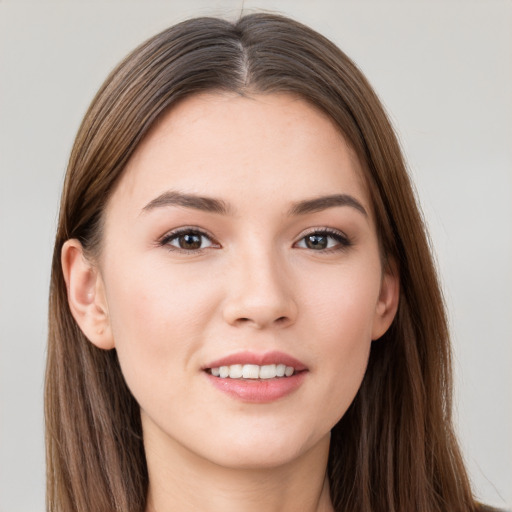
443	71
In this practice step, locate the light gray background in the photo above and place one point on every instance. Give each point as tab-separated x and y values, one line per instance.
444	72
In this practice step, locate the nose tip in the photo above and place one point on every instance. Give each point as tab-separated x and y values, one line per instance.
260	301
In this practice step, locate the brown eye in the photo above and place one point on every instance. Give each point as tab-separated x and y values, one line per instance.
317	242
187	241
324	240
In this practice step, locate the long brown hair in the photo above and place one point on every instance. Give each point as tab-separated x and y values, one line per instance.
394	450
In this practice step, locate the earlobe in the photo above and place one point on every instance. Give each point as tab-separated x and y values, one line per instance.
86	295
387	305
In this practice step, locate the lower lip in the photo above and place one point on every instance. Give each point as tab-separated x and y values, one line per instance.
258	390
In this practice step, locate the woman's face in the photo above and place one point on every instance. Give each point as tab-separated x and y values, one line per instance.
241	236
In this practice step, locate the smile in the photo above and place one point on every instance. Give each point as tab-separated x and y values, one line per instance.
256	377
252	371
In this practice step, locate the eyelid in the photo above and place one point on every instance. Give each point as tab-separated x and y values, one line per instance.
164	240
343	240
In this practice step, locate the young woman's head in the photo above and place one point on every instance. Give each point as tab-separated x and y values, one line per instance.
236	202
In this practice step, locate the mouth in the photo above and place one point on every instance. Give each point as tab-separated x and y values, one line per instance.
252	371
256	378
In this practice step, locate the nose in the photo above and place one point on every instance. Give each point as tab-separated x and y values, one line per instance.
260	294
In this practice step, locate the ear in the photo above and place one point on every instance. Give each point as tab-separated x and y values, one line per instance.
387	304
86	295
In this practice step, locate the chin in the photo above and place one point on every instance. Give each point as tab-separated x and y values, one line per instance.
266	451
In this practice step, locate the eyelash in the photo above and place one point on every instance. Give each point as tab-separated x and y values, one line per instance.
166	240
342	241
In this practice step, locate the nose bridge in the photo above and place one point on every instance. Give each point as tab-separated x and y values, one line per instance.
259	292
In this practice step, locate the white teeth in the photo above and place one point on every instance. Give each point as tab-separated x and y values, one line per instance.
268	371
250	371
253	371
235	371
280	369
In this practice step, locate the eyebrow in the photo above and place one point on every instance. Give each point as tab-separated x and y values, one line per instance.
322	203
173	198
212	205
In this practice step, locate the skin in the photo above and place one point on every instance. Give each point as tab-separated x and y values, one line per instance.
255	284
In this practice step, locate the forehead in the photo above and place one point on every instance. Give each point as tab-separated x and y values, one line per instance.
271	148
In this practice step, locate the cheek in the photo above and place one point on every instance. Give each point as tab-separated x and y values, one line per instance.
342	303
151	299
342	317
157	321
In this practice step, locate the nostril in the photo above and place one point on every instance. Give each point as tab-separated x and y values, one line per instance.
245	320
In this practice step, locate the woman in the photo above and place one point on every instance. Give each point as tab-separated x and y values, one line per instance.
244	311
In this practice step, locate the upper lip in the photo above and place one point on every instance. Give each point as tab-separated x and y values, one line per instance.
261	359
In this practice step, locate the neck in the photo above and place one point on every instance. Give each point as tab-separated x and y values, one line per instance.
181	480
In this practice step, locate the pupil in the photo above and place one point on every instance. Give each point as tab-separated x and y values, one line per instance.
316	241
190	241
